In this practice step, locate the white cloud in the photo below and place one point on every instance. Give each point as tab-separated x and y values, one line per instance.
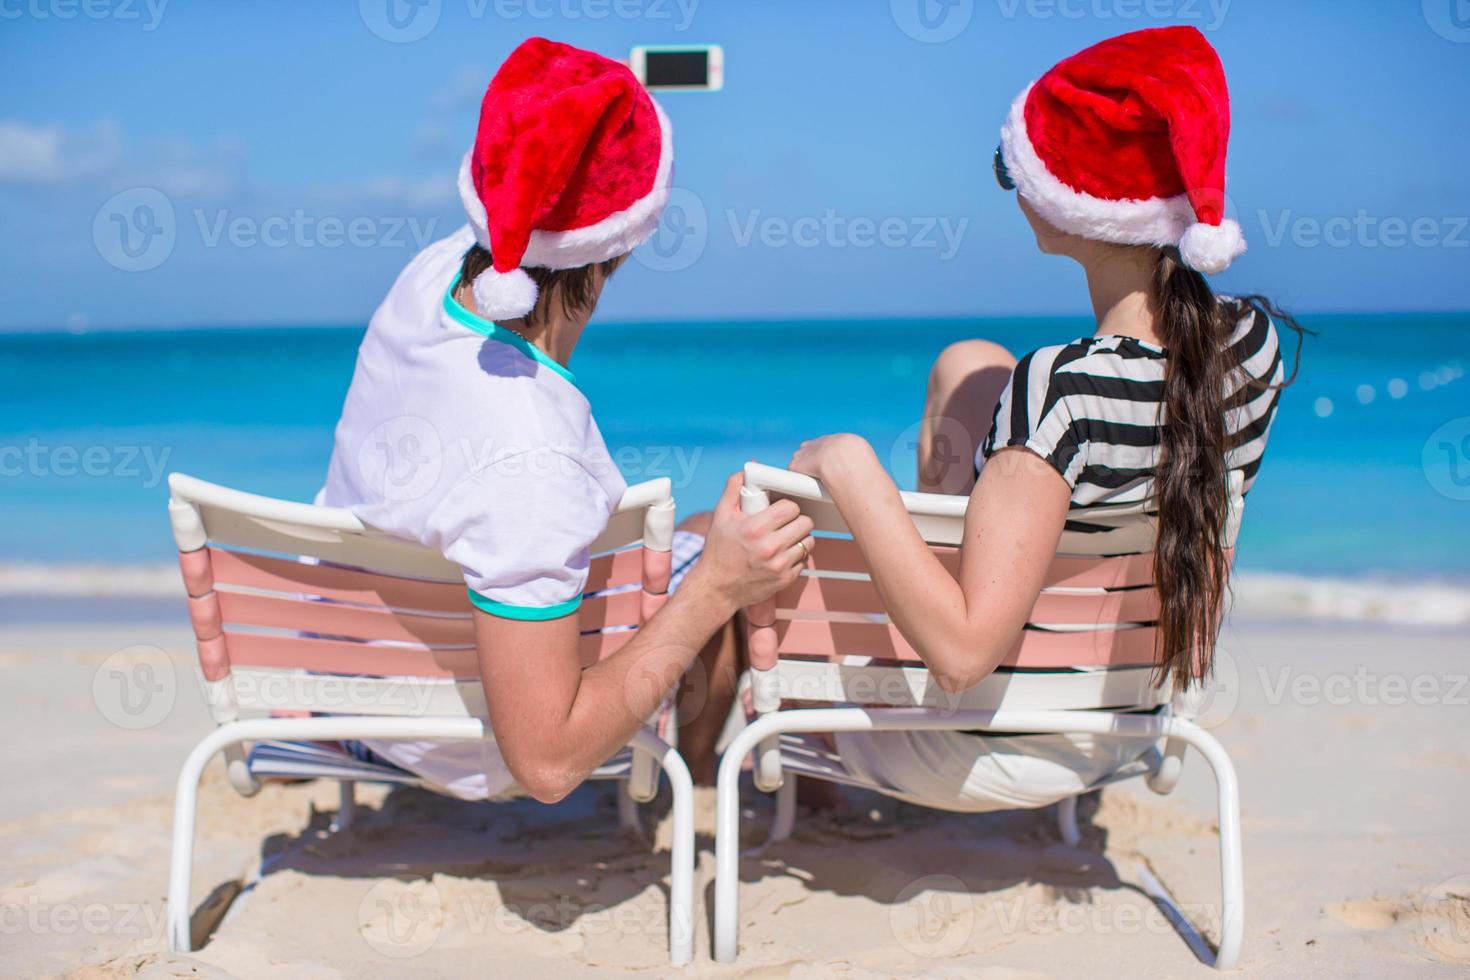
424	193
57	154
98	159
179	166
464	90
54	154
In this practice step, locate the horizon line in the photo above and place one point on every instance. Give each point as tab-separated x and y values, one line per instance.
14	330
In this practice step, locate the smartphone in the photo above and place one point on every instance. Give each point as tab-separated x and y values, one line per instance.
679	66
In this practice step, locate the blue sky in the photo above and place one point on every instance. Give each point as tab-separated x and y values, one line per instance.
284	159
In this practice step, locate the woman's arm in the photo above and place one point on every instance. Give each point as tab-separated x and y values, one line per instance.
555	722
962	629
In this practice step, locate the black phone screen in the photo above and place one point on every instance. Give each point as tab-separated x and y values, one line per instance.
676	68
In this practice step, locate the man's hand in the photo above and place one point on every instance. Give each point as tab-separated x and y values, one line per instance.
749	558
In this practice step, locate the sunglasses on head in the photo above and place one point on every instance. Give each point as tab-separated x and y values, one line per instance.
1002	175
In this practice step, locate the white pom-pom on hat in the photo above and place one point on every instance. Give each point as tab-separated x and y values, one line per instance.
504	295
1211	248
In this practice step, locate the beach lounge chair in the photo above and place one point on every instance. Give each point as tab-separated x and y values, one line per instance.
1083	664
312	628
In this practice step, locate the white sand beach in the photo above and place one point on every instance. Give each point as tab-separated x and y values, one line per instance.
1350	741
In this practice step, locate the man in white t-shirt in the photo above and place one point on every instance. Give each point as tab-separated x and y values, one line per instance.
464	430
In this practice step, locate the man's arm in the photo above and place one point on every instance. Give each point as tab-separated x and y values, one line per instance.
555	722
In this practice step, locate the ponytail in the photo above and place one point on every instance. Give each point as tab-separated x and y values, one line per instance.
1191	569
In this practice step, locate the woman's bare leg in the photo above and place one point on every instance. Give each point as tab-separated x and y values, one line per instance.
708	689
965	383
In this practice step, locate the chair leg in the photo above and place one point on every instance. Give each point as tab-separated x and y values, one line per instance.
628	810
643	781
181	860
1067	821
727	861
1232	885
681	851
785	819
681	872
347	807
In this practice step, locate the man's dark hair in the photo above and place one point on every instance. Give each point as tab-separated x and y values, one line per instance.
570	287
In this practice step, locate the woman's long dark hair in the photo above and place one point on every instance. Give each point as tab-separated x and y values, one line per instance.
1191	568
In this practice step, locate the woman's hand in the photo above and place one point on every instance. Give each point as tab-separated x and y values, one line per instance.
750	557
835	460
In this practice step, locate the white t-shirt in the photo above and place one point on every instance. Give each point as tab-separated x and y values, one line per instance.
460	435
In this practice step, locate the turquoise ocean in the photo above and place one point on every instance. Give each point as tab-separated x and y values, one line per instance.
1366	483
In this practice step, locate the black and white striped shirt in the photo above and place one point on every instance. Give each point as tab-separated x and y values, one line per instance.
1092	409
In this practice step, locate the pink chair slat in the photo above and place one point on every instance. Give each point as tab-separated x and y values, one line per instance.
619	568
334	582
357	622
843	555
821	598
1096	608
345	657
1120	572
621	609
1034	648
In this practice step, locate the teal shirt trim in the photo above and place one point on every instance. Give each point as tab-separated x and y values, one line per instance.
533	614
494	331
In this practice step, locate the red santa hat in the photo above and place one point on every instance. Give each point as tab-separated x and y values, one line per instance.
571	166
1125	142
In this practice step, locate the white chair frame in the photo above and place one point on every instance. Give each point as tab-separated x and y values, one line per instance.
995	705
206	514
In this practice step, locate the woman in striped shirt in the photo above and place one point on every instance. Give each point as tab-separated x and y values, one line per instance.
1118	155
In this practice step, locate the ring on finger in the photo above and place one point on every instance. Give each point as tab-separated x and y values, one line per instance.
806	554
